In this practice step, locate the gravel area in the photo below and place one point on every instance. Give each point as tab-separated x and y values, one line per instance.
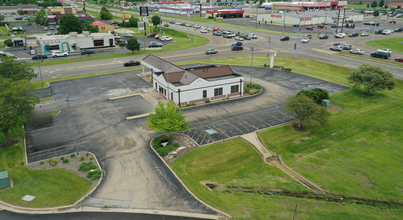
73	165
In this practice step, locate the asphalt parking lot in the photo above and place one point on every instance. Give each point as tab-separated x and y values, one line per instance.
359	26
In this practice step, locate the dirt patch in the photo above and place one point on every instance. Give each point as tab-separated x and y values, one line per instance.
186	144
13	142
73	165
333	108
364	181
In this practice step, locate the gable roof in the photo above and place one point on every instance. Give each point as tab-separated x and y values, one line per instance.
186	77
99	23
395	4
161	64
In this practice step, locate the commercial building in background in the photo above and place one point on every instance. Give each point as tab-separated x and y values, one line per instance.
182	8
28	9
65	10
306	5
75	42
103	27
54	19
193	85
227	13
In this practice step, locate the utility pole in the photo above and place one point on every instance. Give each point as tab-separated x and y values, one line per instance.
296	45
344	15
338	16
145	35
283	21
39	64
251	66
195	31
373	34
67	98
257	11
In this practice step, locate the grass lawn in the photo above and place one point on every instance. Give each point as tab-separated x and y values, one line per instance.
181	42
52	188
395	44
3	29
358	155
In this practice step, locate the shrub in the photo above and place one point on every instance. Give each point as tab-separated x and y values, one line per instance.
207	101
265	65
94	173
246	90
286	69
87	166
8	42
156	145
122	44
163	151
257	86
52	162
252	92
62	158
176	145
82	158
91	158
317	94
22	163
65	160
41	163
72	155
95	176
249	85
87	154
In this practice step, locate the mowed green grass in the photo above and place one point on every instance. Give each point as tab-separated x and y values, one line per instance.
395	44
52	188
358	155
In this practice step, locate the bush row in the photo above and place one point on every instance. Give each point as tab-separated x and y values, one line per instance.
163	151
317	94
87	166
253	86
96	174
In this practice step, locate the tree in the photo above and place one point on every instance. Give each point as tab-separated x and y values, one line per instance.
156	20
362	12
15	69
104	14
133	45
374	4
70	23
372	78
307	112
368	5
376	13
20	12
381	3
167	118
87	26
360	3
40	17
133	21
16	103
399	7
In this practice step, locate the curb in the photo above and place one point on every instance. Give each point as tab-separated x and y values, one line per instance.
124	96
139	116
183	184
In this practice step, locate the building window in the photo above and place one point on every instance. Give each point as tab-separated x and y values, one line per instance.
156	87
172	96
234	89
52	47
165	92
217	91
204	94
161	90
98	43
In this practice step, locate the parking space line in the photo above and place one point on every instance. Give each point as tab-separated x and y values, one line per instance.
51	133
261	120
220	131
235	127
248	123
40	129
42	151
199	136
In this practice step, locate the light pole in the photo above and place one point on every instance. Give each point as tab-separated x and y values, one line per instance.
257	11
195	31
283	21
251	66
326	17
296	45
39	64
373	34
67	99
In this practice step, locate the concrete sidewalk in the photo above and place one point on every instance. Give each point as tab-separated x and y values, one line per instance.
254	140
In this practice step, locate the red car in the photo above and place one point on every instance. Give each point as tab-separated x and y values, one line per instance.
152	35
115	22
399	59
308	36
321	26
309	28
392	22
216	29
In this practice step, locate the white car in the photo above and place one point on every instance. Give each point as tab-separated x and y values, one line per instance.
188	25
16	28
340	35
196	26
357	51
239	38
203	30
387	32
305	40
253	36
385	50
364	34
59	54
232	35
117	36
210	29
165	38
178	23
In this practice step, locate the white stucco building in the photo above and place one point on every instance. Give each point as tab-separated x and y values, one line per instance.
195	85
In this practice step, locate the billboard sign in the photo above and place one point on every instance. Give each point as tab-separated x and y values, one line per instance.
126	16
143	11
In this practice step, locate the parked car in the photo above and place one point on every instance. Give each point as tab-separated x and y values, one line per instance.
39	56
217	33
305	40
128	35
196	26
117	36
172	22
183	24
353	34
165	38
118	41
321	26
340	35
16	28
188	25
334	26
357	51
336	48
338	44
295	25
285	38
399	30
252	35
364	34
155	44
4	54
211	51
386	32
246	37
131	63
392	22
323	36
308	36
239	38
380	54
238	43
234	48
51	28
203	30
49	33
57	32
347	47
378	31
309	28
385	50
227	36
399	59
152	35
166	25
232	34
86	51
217	29
59	54
45	28
115	23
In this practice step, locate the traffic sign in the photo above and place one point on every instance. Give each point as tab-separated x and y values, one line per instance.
145	19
